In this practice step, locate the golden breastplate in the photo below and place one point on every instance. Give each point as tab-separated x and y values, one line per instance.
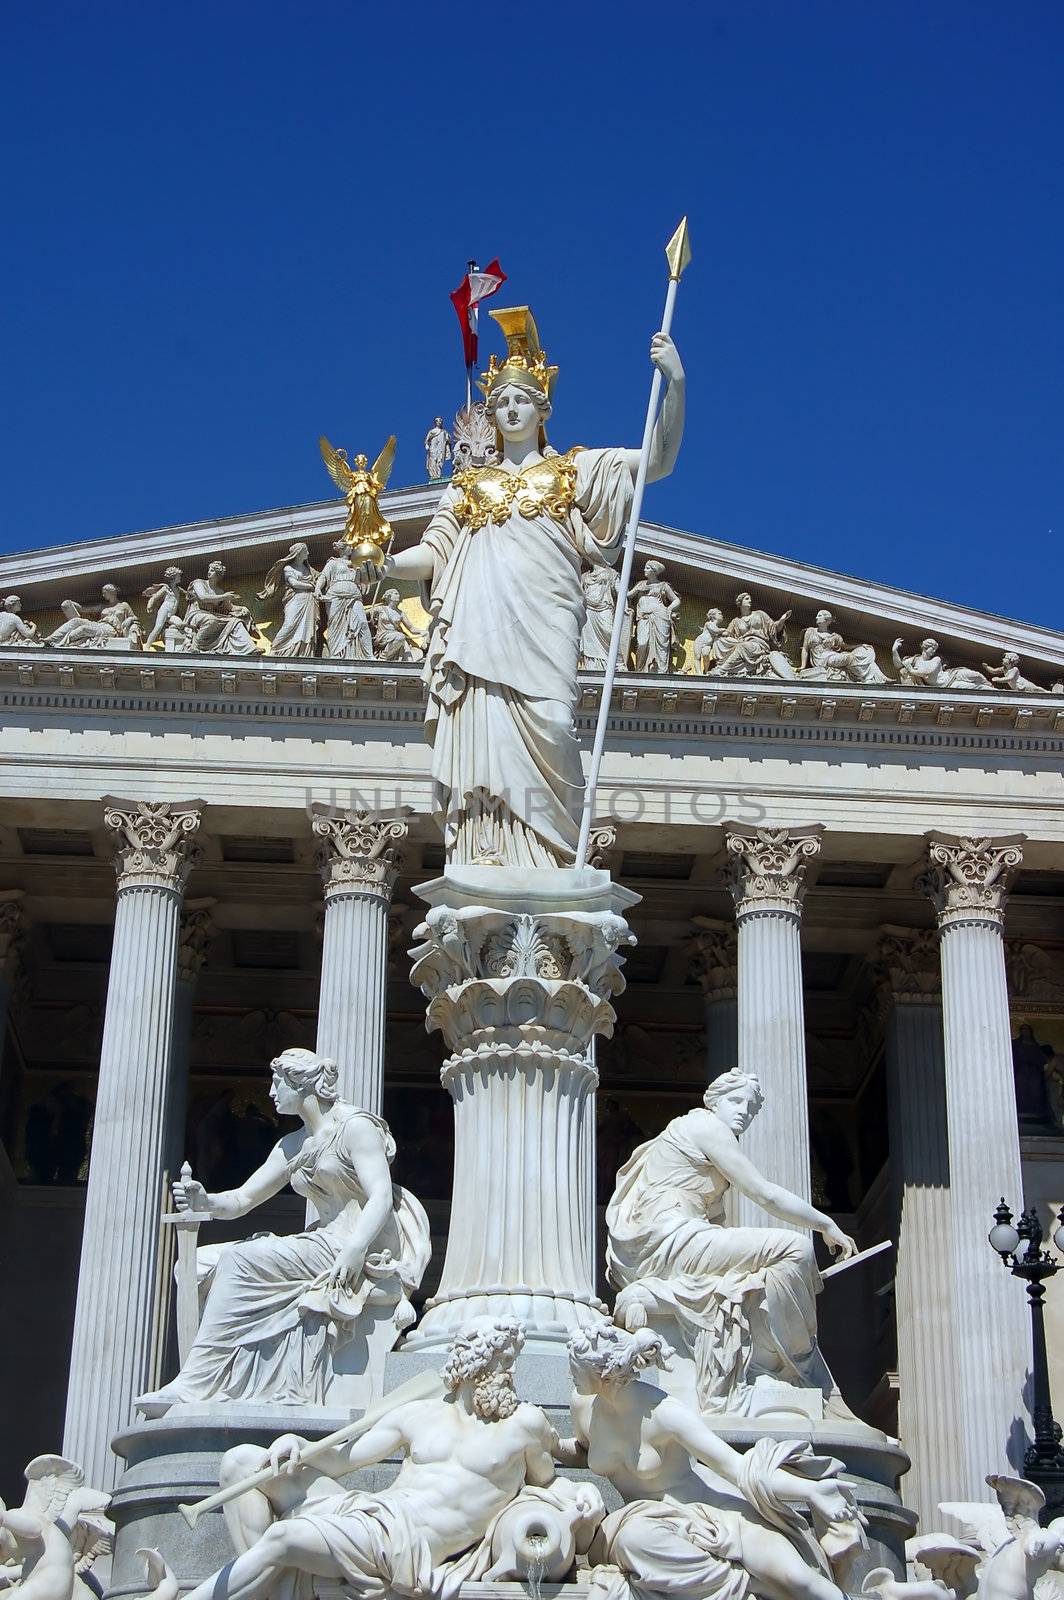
488	494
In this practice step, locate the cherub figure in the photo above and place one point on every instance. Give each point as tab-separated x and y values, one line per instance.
165	599
1008	676
366	528
706	642
48	1544
1003	1551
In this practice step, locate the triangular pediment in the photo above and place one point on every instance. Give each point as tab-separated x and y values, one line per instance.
705	572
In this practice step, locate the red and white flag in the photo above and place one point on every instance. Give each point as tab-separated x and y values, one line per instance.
477	285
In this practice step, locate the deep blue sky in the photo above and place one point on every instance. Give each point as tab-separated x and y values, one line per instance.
232	226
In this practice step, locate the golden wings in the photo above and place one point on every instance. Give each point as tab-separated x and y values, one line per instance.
345	476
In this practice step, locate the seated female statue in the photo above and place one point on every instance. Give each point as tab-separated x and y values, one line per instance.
276	1307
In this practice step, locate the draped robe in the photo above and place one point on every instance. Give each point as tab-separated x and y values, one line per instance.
501	666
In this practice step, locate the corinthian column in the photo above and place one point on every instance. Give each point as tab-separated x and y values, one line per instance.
519	991
359	860
111	1356
714	950
990	1335
766	875
929	1409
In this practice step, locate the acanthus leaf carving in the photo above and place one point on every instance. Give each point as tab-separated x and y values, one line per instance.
767	869
968	878
359	849
154	841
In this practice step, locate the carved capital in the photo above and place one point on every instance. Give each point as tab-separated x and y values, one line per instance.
495	979
359	850
767	866
908	966
714	958
12	930
198	932
968	879
154	842
602	846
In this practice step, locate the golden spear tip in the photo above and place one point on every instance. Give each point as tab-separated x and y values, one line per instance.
678	251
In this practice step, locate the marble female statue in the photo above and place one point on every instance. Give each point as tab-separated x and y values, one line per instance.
707	640
701	1521
751	646
15	631
437	449
347	631
927	670
826	659
119	615
600	586
215	620
165	600
464	1458
298	633
744	1299
76	632
393	637
655	605
275	1307
502	555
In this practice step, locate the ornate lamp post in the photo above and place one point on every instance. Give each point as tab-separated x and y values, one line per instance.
1043	1460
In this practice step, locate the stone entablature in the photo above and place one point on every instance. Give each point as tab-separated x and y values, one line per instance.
650	704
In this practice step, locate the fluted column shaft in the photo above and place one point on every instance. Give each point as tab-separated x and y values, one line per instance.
519	1240
767	879
520	996
359	862
714	966
990	1348
929	1409
113	1345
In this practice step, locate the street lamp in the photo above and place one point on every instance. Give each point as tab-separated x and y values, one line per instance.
1043	1460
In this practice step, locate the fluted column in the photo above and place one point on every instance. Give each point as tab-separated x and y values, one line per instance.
990	1345
519	997
766	875
12	935
714	948
929	1403
112	1353
359	860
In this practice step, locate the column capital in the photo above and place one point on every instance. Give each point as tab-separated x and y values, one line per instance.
359	850
766	868
967	879
197	934
908	966
154	844
714	958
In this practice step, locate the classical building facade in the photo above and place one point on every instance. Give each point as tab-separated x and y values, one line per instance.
842	806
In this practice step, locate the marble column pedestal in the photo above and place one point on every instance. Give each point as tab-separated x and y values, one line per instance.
519	967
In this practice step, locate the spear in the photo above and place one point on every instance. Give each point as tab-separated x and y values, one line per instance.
678	255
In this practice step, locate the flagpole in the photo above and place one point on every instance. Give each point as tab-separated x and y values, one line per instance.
677	254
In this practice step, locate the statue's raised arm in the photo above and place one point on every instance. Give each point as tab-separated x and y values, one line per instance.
503	557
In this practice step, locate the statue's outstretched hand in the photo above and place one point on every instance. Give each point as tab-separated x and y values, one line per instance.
190	1195
840	1244
829	1497
666	357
